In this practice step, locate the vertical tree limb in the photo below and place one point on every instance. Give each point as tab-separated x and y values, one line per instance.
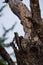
35	10
6	56
36	15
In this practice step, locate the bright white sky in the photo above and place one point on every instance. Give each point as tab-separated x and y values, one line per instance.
8	19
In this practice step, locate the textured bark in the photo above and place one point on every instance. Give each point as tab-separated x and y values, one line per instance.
28	54
30	51
35	10
6	56
36	15
30	47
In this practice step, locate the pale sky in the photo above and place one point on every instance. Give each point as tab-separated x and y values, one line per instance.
8	19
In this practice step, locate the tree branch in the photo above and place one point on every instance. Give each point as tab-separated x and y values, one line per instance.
35	10
6	56
36	15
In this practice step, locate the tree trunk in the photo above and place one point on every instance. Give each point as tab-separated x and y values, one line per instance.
30	47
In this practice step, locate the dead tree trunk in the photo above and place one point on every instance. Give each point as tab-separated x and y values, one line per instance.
36	15
30	46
